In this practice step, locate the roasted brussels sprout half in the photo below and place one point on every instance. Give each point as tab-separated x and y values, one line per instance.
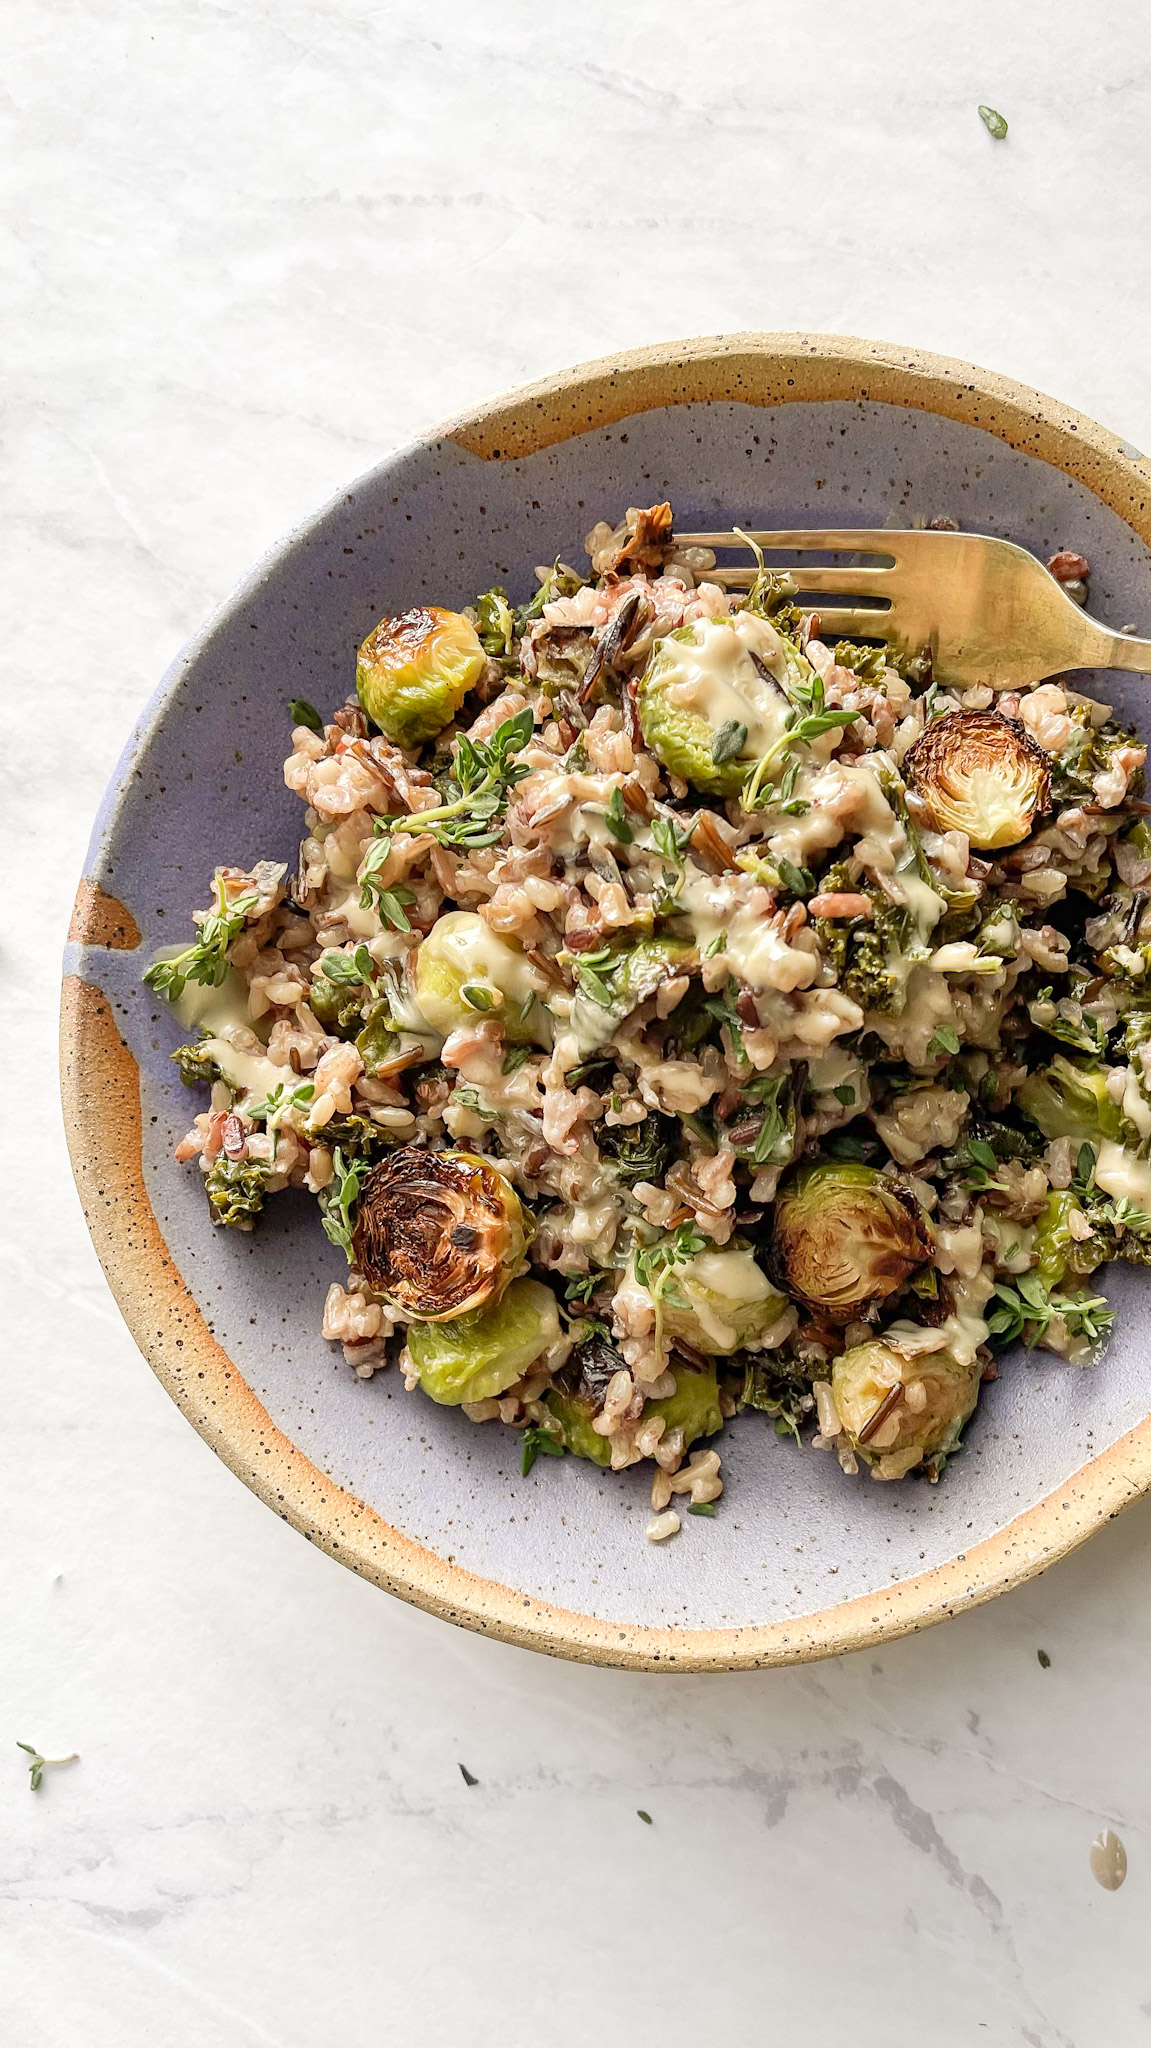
465	971
719	1301
710	703
902	1410
414	671
980	773
694	1406
845	1237
1071	1101
577	1398
577	1394
480	1355
438	1233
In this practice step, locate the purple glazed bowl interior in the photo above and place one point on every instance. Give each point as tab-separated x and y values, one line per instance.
201	782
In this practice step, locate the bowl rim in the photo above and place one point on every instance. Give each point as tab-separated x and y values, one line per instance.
101	1092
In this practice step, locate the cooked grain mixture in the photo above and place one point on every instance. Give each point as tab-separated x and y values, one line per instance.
674	1014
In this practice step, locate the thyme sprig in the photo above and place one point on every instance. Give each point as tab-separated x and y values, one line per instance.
483	776
206	960
40	1764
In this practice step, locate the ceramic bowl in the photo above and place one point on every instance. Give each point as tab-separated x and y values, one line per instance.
768	430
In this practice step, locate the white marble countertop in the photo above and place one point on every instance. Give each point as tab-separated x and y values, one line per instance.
247	252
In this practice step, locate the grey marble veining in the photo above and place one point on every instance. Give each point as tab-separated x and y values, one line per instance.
246	253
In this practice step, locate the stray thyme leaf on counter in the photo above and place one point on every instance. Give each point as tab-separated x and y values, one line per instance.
467	1776
304	713
40	1764
993	122
1044	1659
644	1816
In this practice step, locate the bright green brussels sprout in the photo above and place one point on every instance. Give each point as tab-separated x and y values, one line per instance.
710	703
980	773
609	990
694	1406
844	1237
478	1356
465	971
719	1301
902	1410
414	671
438	1233
1068	1100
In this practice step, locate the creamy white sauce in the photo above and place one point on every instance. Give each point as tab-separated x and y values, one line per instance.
712	1279
246	1072
209	1009
712	674
753	948
1120	1174
1136	1107
475	953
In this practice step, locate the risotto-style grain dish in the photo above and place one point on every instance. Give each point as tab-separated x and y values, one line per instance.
675	1014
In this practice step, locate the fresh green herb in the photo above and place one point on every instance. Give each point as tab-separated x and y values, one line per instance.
581	1286
806	721
476	997
535	1440
944	1041
40	1764
845	1095
477	790
514	1058
702	1507
304	713
644	1816
785	799
654	1265
729	741
593	985
467	1776
206	960
616	817
800	881
714	946
671	843
338	1200
276	1104
1084	1176
1044	1659
349	970
993	122
389	902
1026	1311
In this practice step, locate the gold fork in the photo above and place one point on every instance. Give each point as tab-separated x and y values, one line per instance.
989	611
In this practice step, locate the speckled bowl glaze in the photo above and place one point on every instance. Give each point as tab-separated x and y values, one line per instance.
769	430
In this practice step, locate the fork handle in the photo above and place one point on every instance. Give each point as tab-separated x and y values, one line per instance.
1123	650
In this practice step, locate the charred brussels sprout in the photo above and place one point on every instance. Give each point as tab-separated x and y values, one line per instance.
235	1189
465	971
438	1233
577	1395
481	1355
414	671
845	1237
980	773
1071	1101
899	1410
709	701
637	1151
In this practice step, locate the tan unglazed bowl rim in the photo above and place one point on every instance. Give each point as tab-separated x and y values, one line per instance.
101	1091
